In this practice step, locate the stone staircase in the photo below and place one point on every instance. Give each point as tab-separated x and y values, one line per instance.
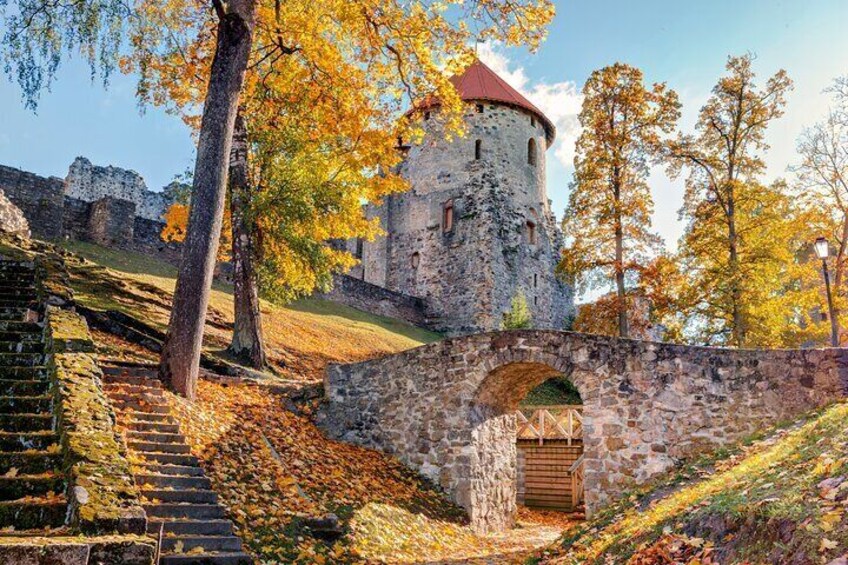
32	485
178	500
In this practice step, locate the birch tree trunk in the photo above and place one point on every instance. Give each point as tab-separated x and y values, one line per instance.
247	344
180	360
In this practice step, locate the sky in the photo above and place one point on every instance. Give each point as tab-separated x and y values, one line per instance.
682	42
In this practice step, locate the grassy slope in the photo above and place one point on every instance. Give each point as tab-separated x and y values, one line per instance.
301	337
763	502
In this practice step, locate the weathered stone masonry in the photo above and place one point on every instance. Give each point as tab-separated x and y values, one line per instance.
446	409
105	205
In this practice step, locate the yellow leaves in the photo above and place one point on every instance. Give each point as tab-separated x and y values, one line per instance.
830	520
826	545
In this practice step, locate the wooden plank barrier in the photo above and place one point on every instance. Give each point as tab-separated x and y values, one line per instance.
550	457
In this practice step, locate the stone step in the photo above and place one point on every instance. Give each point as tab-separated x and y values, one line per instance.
21	359
208	543
22	291
28	327
156	437
15	302
25	404
140	405
24	373
22	337
133	389
214	558
29	462
21	347
33	514
164	481
176	510
154	447
152	417
171	459
129	380
158	427
23	441
172	470
149	371
13	314
193	496
26	422
19	486
21	387
186	527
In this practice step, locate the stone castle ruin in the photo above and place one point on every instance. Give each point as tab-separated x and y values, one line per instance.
476	227
109	206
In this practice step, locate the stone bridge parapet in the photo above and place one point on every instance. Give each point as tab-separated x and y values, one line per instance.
447	408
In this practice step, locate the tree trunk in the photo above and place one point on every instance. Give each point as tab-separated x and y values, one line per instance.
179	364
247	344
735	290
623	329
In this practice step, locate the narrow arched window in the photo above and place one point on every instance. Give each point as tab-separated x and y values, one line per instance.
415	260
531	151
426	116
447	216
479	108
478	148
531	233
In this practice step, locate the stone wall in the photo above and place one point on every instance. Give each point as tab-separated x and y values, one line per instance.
376	300
447	409
41	199
110	222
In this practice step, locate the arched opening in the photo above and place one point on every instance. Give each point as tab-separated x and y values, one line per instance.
478	149
531	151
506	437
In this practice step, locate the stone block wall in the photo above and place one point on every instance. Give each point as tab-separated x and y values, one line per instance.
447	409
41	199
376	300
110	222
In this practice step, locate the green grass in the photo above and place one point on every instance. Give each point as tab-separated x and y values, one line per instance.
301	337
555	391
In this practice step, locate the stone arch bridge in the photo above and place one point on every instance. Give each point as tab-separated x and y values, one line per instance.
447	409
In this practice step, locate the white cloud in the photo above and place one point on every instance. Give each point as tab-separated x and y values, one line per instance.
559	101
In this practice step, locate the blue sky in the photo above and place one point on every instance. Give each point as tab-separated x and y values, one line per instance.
683	42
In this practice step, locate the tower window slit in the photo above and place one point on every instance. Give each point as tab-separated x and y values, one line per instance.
478	149
447	216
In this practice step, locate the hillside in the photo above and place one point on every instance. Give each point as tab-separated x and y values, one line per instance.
778	498
301	337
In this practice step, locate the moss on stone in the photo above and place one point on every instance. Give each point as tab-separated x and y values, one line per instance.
68	331
101	492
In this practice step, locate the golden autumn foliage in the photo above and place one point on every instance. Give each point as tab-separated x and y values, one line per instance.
607	221
324	89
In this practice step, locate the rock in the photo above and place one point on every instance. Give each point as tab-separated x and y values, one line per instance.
81	495
327	527
12	220
840	560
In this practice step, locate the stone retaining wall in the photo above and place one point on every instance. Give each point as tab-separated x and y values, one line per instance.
376	300
446	409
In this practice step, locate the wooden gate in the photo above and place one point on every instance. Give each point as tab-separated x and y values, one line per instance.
550	457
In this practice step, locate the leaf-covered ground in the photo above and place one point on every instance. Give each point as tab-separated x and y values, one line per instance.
782	499
274	469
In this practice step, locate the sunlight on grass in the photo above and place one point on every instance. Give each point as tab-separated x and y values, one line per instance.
301	337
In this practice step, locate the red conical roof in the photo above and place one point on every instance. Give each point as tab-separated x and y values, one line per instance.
480	83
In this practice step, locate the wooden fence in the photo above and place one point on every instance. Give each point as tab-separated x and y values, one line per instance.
550	457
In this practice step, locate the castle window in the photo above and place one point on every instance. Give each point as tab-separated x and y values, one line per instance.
535	280
535	301
447	216
531	151
479	108
533	121
358	252
426	116
478	149
531	233
415	260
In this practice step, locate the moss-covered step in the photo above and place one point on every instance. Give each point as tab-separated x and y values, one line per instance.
23	387
27	404
19	486
22	441
26	422
31	514
30	462
13	314
18	326
38	373
21	359
21	346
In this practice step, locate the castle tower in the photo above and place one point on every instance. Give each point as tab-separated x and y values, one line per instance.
476	227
